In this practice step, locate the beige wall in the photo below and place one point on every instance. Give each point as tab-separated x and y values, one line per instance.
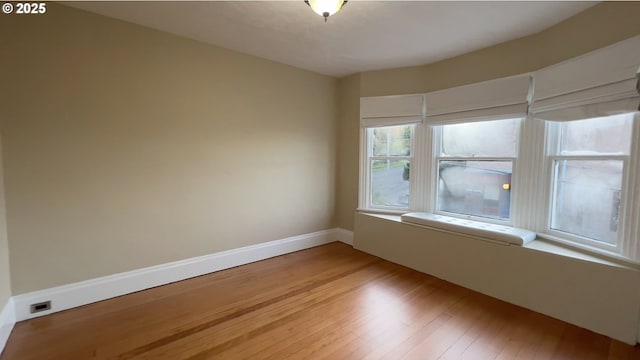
5	279
126	147
347	145
598	26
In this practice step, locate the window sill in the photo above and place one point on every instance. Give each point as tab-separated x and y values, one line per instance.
538	244
500	233
582	253
396	213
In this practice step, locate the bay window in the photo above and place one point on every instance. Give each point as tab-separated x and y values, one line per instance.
558	156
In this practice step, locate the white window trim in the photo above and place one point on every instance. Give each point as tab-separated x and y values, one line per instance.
543	228
365	178
366	148
436	157
571	238
631	215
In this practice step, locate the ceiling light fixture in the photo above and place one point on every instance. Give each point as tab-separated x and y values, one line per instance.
325	8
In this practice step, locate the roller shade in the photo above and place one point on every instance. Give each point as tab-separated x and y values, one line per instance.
490	100
600	83
391	110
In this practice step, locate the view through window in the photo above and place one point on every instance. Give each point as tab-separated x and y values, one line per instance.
588	176
475	167
390	164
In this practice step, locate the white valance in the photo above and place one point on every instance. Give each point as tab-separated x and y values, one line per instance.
600	83
391	110
489	100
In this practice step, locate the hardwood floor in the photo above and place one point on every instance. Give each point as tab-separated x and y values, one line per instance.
329	302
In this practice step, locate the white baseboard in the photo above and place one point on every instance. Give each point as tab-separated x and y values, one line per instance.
77	294
344	236
7	320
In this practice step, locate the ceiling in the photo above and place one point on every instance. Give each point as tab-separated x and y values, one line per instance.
365	35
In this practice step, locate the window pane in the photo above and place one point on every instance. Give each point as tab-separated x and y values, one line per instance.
484	139
599	136
586	198
478	188
392	141
390	183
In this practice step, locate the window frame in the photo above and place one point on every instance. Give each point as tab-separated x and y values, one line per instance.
624	246
531	189
367	159
437	157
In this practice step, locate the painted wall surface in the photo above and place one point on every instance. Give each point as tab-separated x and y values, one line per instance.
5	278
347	145
600	297
596	27
126	147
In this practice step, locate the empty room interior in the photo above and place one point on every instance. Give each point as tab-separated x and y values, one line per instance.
281	180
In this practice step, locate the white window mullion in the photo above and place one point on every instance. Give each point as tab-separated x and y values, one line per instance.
436	145
420	171
524	179
365	180
383	158
630	209
483	158
624	207
623	158
545	187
